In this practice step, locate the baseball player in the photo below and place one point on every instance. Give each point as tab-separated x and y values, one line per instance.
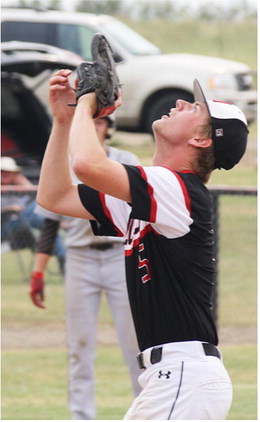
165	213
93	265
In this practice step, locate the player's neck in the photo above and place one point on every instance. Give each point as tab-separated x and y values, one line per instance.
177	159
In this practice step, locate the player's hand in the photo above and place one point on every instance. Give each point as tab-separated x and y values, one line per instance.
37	289
91	100
60	95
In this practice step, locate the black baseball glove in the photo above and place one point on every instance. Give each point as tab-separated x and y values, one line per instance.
99	76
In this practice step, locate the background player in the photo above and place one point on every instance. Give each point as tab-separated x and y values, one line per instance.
94	265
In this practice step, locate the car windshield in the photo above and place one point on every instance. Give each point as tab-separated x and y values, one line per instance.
133	42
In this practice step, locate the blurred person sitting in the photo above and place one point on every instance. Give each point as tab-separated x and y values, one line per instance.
17	212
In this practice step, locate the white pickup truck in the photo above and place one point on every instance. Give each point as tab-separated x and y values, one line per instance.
152	80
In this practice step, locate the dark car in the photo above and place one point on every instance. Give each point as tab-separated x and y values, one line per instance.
26	122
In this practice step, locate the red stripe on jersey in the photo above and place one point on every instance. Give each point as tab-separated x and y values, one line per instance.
108	214
184	188
153	209
185	192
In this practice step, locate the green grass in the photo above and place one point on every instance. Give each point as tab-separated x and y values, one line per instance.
241	362
238	261
203	38
34	384
40	380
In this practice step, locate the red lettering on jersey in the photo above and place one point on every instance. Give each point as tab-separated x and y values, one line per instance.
144	263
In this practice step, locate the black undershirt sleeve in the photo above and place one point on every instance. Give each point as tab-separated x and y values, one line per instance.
47	237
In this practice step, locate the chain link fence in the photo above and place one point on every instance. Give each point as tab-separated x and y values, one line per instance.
235	225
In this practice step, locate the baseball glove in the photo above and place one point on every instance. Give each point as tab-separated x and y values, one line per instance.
37	289
99	76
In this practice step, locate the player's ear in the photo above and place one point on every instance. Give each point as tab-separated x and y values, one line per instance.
201	142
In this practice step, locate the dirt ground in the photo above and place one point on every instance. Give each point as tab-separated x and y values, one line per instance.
49	337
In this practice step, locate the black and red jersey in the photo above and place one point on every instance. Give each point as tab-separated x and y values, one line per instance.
168	251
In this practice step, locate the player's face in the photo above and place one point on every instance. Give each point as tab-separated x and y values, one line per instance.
8	177
183	122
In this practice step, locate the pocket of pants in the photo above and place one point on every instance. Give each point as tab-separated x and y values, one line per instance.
216	385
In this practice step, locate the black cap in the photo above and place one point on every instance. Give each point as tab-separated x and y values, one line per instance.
229	129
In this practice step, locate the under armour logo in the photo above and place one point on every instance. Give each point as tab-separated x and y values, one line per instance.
164	374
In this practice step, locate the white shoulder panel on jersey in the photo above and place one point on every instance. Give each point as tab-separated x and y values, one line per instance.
172	216
118	212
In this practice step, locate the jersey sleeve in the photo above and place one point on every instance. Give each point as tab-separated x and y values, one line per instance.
159	196
111	214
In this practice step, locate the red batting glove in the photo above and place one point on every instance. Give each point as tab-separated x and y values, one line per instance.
37	289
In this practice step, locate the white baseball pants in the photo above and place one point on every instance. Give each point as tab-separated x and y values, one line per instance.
88	273
185	385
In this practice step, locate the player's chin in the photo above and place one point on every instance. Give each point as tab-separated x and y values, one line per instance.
158	123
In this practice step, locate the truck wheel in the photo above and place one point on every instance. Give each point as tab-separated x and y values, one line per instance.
162	105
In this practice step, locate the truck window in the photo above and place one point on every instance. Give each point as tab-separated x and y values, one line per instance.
76	38
38	32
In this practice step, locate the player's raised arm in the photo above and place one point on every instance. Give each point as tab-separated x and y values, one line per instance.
56	191
98	94
90	163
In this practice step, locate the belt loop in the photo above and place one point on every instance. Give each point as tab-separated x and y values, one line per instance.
140	360
156	355
211	350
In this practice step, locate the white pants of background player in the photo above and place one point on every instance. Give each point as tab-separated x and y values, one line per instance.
88	273
185	385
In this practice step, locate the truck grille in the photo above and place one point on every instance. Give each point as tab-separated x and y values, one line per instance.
244	81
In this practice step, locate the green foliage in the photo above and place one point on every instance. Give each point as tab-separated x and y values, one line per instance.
55	5
111	7
168	10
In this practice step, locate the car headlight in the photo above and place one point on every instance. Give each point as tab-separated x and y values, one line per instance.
222	81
